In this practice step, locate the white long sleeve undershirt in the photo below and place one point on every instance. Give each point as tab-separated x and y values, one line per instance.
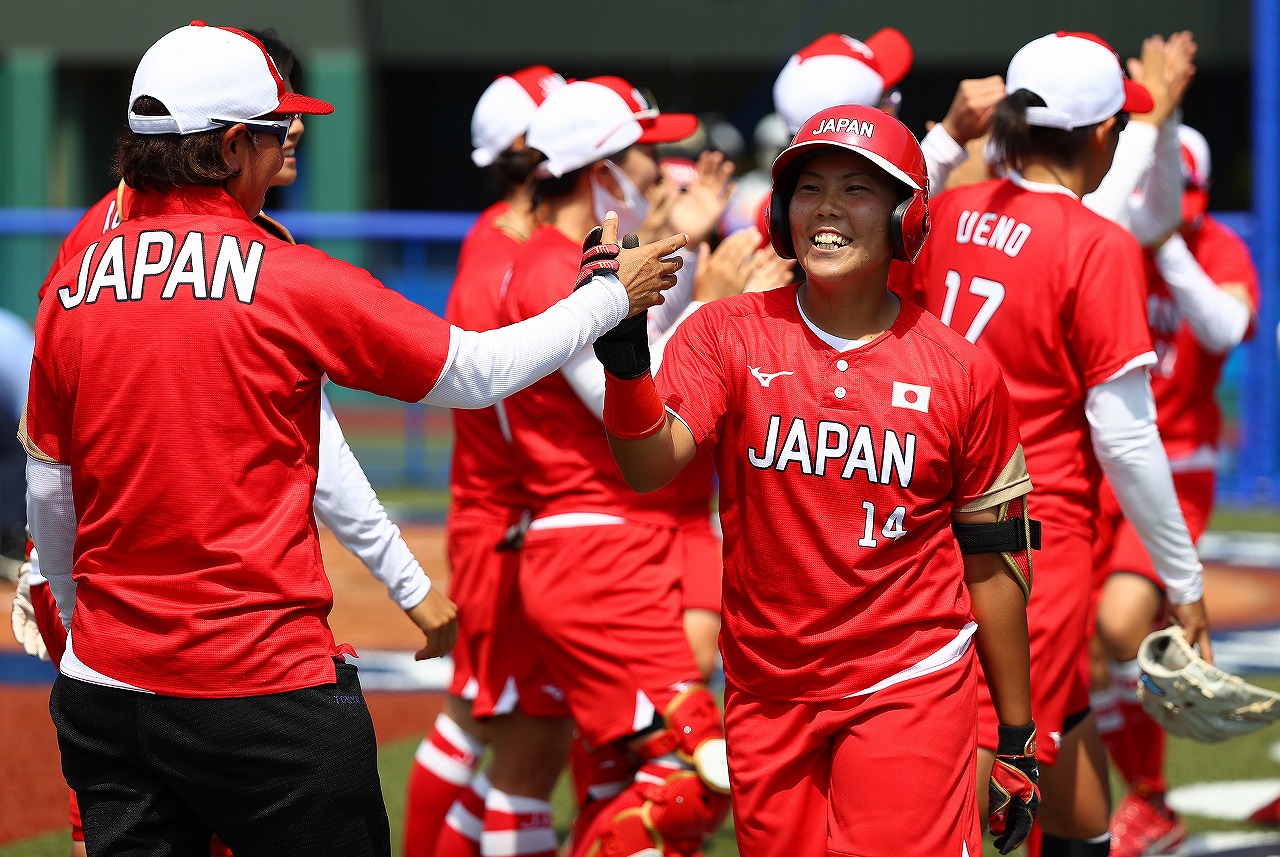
345	502
942	154
51	519
1143	189
1219	320
484	368
1122	418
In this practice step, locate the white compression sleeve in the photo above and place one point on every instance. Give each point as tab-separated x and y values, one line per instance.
1157	210
346	503
1218	320
487	367
51	518
1134	155
1121	415
942	154
677	297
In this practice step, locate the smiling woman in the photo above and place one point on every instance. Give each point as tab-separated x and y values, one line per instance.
837	400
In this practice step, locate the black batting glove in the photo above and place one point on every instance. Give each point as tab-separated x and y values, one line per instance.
1013	793
624	350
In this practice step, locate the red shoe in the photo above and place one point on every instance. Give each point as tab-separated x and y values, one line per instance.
1145	827
1268	814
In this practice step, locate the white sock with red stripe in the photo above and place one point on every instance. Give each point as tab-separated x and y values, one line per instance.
515	825
442	766
460	835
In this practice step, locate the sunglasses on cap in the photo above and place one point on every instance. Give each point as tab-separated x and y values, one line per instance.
277	127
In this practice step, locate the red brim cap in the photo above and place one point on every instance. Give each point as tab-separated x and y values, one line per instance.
293	102
893	55
1136	98
668	128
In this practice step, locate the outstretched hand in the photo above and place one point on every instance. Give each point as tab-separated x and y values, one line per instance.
697	209
645	271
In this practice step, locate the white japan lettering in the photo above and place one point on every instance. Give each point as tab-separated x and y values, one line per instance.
154	256
832	442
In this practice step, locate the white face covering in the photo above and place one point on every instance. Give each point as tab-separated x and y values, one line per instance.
631	209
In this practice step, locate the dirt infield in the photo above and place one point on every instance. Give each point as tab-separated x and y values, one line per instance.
33	796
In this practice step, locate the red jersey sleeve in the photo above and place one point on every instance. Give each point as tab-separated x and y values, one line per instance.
1225	258
989	466
1106	325
691	379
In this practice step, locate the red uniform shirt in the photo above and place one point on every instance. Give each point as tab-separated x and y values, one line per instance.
570	467
839	471
482	472
102	216
1186	375
1055	293
181	383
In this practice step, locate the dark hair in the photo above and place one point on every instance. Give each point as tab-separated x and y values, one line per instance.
164	161
545	190
512	168
1019	140
282	55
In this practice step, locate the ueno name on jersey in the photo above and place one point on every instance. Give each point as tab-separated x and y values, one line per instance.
988	229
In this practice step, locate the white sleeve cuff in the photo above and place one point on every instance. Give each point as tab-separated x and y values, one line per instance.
1121	414
942	154
345	502
51	518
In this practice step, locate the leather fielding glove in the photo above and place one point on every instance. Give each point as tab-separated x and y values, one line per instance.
624	350
1013	792
25	630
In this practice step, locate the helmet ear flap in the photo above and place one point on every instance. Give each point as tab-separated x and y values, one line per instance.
780	225
909	226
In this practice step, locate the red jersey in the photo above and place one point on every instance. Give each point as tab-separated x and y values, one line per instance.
1186	375
570	467
482	472
1055	293
839	472
177	371
103	216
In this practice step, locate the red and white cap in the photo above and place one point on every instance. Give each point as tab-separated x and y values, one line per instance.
838	69
1079	78
588	120
202	73
1196	170
503	112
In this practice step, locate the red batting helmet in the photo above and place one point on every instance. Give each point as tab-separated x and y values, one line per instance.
878	137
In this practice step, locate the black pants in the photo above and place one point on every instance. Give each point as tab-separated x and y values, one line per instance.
284	774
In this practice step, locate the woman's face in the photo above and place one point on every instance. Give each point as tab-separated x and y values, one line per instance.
289	172
839	215
641	166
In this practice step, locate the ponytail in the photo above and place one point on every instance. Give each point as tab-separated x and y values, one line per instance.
1018	141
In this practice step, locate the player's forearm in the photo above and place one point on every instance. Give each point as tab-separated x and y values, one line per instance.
1159	208
1218	319
1121	414
649	463
1133	157
487	367
942	154
345	502
51	518
1002	639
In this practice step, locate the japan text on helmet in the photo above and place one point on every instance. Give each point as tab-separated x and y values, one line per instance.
879	138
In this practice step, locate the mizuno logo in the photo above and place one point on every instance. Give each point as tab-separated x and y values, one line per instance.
765	378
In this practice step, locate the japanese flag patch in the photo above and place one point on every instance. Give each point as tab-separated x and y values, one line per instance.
912	396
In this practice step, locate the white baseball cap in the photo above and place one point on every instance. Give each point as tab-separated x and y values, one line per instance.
838	69
1196	170
1079	78
209	76
503	112
588	120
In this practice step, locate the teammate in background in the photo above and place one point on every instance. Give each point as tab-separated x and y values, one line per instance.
855	667
16	347
1202	302
486	497
600	569
174	523
1023	269
344	502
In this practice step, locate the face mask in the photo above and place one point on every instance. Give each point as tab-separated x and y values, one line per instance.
631	209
